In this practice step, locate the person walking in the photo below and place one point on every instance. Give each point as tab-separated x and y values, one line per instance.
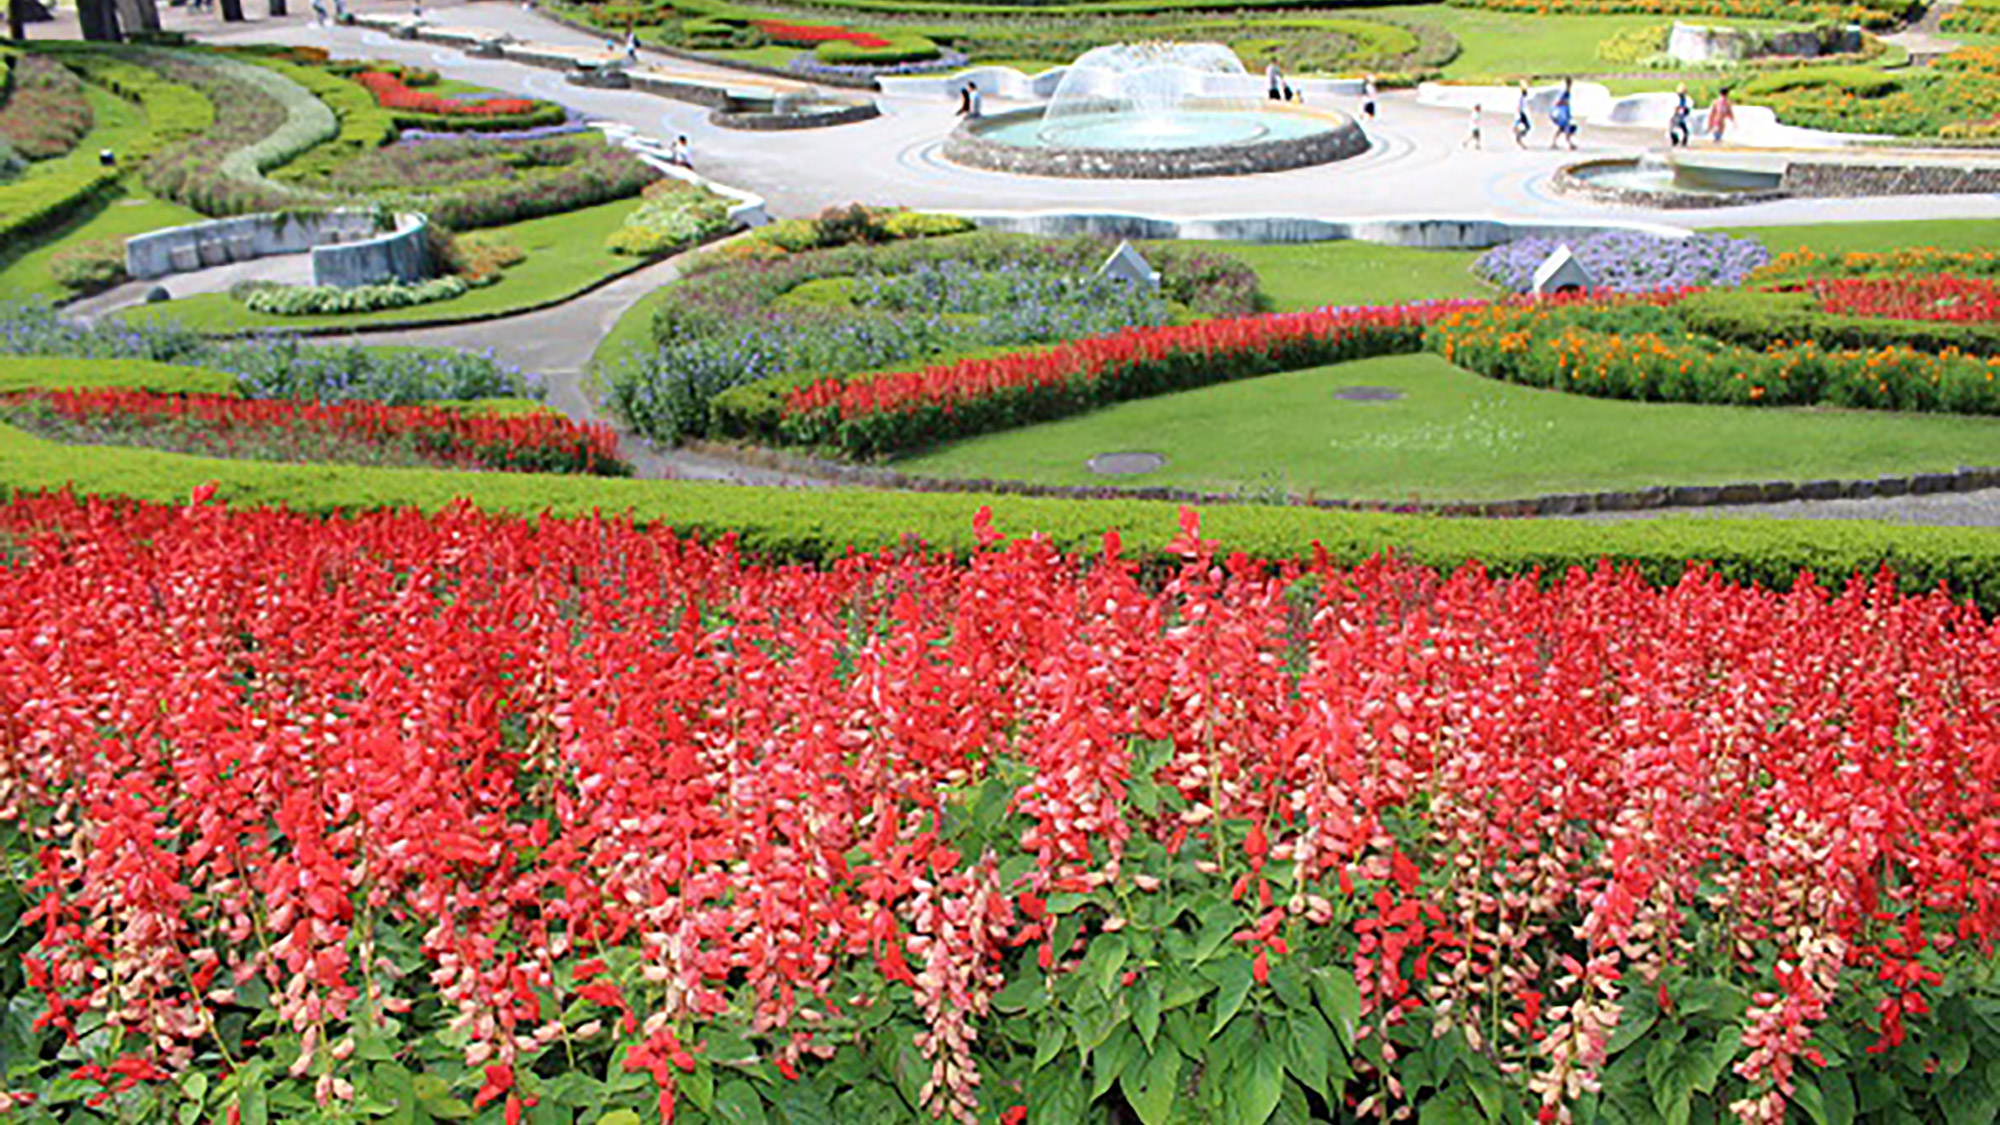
1677	124
1522	122
1721	115
1472	140
681	153
319	12
1563	117
970	103
1368	97
631	46
1275	80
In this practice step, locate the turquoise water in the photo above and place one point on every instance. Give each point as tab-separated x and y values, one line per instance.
1646	174
1187	129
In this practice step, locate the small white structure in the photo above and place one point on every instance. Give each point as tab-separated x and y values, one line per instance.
1128	265
1560	272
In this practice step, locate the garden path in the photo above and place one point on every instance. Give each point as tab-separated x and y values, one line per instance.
282	269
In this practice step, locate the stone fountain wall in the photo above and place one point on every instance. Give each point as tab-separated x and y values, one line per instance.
969	147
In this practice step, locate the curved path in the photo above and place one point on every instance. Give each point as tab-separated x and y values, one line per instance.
1415	166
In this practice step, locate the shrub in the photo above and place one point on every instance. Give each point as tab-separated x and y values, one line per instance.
844	226
262	119
1926	102
47	115
12	163
35	204
812	35
1877	14
364	125
671	222
328	300
479	258
1226	845
1763	321
601	174
924	224
1634	46
390	93
902	48
89	266
285	430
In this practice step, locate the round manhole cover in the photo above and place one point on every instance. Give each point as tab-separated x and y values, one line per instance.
1368	394
1126	464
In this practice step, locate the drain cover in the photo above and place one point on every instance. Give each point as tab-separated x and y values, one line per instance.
1368	394
1126	464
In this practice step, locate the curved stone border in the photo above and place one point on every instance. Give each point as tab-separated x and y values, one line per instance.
1965	479
762	121
1430	232
1567	181
967	146
348	245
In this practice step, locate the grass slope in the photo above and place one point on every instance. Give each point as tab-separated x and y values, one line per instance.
1456	436
566	255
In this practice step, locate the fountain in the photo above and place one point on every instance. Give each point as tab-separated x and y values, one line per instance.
1156	111
1652	180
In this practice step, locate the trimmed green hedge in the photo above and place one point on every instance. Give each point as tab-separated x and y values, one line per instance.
35	372
364	125
1758	320
902	48
823	524
546	113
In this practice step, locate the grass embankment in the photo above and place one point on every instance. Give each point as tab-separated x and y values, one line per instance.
565	256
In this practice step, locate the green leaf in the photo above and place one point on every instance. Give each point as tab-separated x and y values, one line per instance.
699	1086
1308	1044
1450	1107
1967	1101
1670	1075
1146	1010
1233	981
802	1103
619	1117
1181	988
1063	902
738	1104
250	1100
1712	1065
1215	930
1953	1053
1050	1039
1632	1026
1025	993
1109	1061
1151	1089
394	1085
1057	1096
1255	1085
1104	960
1340	998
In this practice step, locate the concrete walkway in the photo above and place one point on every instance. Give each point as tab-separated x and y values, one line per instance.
1415	165
279	269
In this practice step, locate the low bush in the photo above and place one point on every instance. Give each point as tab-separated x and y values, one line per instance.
901	48
348	432
35	204
1805	264
601	174
328	300
478	258
1763	321
391	94
669	222
174	110
12	163
47	114
1649	354
1635	46
89	266
364	125
924	224
261	120
20	373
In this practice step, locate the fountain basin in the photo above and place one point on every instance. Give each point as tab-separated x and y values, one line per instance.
1188	142
1671	183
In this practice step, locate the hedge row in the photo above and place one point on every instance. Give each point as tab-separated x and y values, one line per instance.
52	373
364	125
816	525
1760	320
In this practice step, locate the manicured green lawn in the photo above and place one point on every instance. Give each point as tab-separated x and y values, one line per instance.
566	255
1842	238
1457	436
26	274
1502	44
1307	275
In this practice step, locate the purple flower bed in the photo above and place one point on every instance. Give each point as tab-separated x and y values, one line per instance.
947	59
564	129
1631	262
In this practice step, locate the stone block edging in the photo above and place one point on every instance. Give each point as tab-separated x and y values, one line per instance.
1964	479
760	121
967	146
1435	232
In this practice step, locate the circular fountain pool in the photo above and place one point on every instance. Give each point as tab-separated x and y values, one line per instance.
1156	111
1651	181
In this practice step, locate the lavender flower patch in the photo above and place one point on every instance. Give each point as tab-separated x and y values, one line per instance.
947	59
543	132
1631	262
274	368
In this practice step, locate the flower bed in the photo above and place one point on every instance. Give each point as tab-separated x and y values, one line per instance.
262	119
812	35
877	414
1795	265
46	115
674	217
276	368
527	803
759	324
352	432
1937	297
1635	352
1877	14
391	93
1630	261
1954	101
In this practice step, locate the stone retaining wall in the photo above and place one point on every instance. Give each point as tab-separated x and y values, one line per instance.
223	241
1831	180
1422	231
1568	182
967	146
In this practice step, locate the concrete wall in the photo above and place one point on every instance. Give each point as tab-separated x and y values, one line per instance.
1006	82
400	255
222	241
1426	232
1339	139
